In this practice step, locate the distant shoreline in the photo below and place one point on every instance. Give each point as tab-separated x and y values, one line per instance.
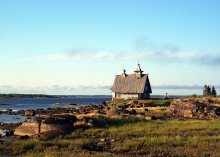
25	96
77	96
50	96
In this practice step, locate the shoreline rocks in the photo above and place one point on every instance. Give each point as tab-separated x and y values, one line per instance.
9	126
61	123
193	109
48	123
29	113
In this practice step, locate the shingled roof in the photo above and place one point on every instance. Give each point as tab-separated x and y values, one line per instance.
131	84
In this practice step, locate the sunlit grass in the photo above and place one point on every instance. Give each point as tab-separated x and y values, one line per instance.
131	136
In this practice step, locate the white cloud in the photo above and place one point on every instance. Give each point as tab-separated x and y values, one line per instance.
87	89
115	55
57	89
201	58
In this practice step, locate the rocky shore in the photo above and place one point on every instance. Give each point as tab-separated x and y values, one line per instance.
44	124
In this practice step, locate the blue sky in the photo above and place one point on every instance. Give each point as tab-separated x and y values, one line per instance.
77	46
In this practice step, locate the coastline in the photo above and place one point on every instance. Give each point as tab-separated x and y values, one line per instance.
117	128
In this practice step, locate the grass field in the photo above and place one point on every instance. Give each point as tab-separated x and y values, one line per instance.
128	137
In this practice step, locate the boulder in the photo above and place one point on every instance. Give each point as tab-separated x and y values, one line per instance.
148	118
212	111
7	133
9	111
95	111
29	113
184	113
61	123
84	122
184	104
29	127
90	123
20	112
193	109
114	111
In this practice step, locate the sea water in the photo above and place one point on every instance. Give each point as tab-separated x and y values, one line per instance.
42	103
5	118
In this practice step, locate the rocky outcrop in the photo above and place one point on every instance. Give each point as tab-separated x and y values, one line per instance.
29	113
30	127
114	111
84	122
61	123
192	109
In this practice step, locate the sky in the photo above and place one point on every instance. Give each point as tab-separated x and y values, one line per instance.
76	47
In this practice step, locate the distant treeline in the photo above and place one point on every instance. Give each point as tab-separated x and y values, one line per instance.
26	96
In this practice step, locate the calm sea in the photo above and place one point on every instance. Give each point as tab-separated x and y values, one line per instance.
43	103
